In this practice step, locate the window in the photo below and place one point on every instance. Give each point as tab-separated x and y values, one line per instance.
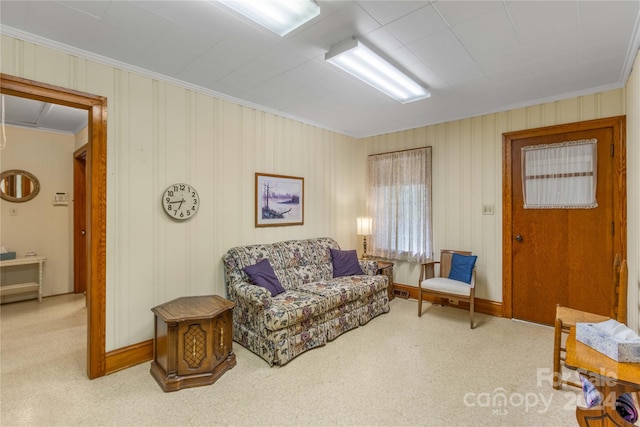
399	201
560	176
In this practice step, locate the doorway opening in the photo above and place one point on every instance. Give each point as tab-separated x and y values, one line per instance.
96	203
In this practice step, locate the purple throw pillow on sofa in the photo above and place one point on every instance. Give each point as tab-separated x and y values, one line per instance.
345	263
262	274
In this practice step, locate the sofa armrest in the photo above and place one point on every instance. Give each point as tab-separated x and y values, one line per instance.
247	294
369	266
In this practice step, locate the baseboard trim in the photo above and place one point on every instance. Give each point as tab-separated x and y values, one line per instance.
129	356
484	306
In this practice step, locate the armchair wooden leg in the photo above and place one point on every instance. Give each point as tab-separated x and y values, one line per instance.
471	303
419	304
557	343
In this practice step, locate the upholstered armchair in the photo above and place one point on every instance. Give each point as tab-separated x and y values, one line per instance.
456	279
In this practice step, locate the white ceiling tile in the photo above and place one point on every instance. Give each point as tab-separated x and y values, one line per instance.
58	22
204	72
443	53
511	74
95	8
174	49
554	82
561	61
351	21
385	12
249	41
198	16
109	41
455	12
381	39
491	40
601	48
601	20
474	56
420	24
239	81
490	32
135	20
15	13
603	69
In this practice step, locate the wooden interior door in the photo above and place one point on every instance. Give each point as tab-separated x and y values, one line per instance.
564	256
80	221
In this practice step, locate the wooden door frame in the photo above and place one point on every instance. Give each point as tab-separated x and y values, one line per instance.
618	125
96	106
80	219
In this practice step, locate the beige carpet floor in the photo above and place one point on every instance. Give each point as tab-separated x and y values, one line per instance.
398	370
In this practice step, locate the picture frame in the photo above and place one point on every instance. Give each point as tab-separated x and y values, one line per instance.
279	200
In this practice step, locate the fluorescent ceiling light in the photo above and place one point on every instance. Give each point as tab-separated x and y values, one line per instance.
360	61
279	16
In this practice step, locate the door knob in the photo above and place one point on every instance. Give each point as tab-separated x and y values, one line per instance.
519	238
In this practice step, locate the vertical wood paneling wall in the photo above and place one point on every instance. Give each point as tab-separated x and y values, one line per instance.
159	134
467	174
633	193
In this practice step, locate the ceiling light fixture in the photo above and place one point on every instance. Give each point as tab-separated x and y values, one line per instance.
358	60
279	16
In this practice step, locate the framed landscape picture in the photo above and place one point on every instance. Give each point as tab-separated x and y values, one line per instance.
279	200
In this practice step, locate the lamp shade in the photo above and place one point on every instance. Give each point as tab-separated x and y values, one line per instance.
364	225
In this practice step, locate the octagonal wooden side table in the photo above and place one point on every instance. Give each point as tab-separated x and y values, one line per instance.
193	340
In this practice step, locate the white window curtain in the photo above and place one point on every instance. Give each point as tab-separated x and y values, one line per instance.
399	201
560	176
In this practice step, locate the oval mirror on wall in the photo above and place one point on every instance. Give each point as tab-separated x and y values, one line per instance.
18	186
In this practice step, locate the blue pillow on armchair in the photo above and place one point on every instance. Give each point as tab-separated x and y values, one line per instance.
262	274
462	267
345	263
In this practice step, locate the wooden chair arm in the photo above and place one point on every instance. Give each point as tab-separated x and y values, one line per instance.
427	271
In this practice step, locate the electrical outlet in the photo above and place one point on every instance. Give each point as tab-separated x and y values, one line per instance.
487	209
453	301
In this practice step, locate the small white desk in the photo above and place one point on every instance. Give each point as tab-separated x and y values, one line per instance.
24	287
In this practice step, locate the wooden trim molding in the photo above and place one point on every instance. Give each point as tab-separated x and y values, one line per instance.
129	356
484	306
96	107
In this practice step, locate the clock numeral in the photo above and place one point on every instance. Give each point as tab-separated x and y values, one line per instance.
169	207
188	213
182	187
170	194
195	201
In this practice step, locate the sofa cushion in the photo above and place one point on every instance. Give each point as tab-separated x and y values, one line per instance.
462	267
291	307
341	290
262	274
345	263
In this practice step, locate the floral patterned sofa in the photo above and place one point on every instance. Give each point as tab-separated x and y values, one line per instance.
314	308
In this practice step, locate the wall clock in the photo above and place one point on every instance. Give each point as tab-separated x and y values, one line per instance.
180	201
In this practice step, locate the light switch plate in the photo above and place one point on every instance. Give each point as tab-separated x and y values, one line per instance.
487	209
